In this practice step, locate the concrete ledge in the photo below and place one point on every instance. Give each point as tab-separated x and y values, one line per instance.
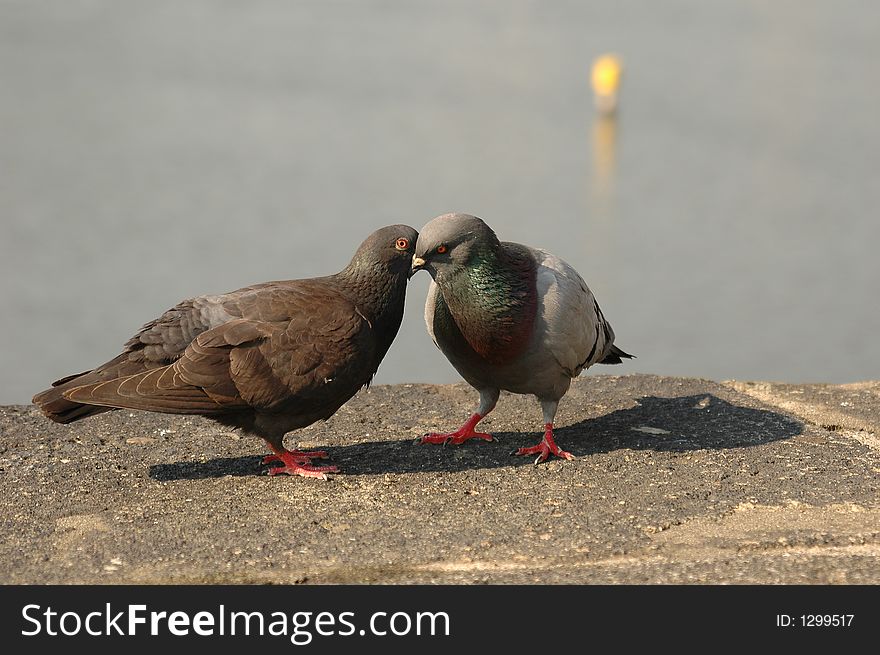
676	481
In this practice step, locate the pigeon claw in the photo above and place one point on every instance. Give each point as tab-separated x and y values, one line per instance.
545	448
455	438
298	456
304	470
296	462
461	435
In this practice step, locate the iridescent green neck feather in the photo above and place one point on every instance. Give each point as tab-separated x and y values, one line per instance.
492	300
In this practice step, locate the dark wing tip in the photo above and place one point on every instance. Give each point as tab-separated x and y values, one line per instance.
616	356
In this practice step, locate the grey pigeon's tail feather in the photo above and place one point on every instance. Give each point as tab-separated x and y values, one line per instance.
614	356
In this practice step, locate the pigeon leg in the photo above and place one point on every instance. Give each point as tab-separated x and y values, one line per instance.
546	448
294	462
461	435
488	399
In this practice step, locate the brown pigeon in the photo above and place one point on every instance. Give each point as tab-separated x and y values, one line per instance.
510	317
267	359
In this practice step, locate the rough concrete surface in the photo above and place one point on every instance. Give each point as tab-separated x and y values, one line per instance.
675	481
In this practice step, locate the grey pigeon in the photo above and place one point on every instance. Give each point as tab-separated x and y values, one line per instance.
267	359
510	317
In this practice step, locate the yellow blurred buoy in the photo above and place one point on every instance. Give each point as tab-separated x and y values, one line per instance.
607	70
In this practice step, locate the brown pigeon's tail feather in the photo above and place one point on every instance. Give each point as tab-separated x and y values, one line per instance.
61	410
68	378
614	356
150	390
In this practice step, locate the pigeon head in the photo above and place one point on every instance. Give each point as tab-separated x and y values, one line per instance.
390	248
451	243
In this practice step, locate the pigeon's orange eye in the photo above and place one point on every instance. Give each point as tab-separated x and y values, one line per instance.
441	249
401	244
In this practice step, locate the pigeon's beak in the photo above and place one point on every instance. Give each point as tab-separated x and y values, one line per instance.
417	264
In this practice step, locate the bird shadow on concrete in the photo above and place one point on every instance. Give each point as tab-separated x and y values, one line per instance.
696	422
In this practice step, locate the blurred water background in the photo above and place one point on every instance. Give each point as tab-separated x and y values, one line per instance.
727	219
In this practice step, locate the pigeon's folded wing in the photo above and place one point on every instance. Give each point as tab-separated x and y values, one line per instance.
243	363
576	331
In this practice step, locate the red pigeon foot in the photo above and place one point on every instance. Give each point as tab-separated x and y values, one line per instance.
299	456
461	435
294	462
546	448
